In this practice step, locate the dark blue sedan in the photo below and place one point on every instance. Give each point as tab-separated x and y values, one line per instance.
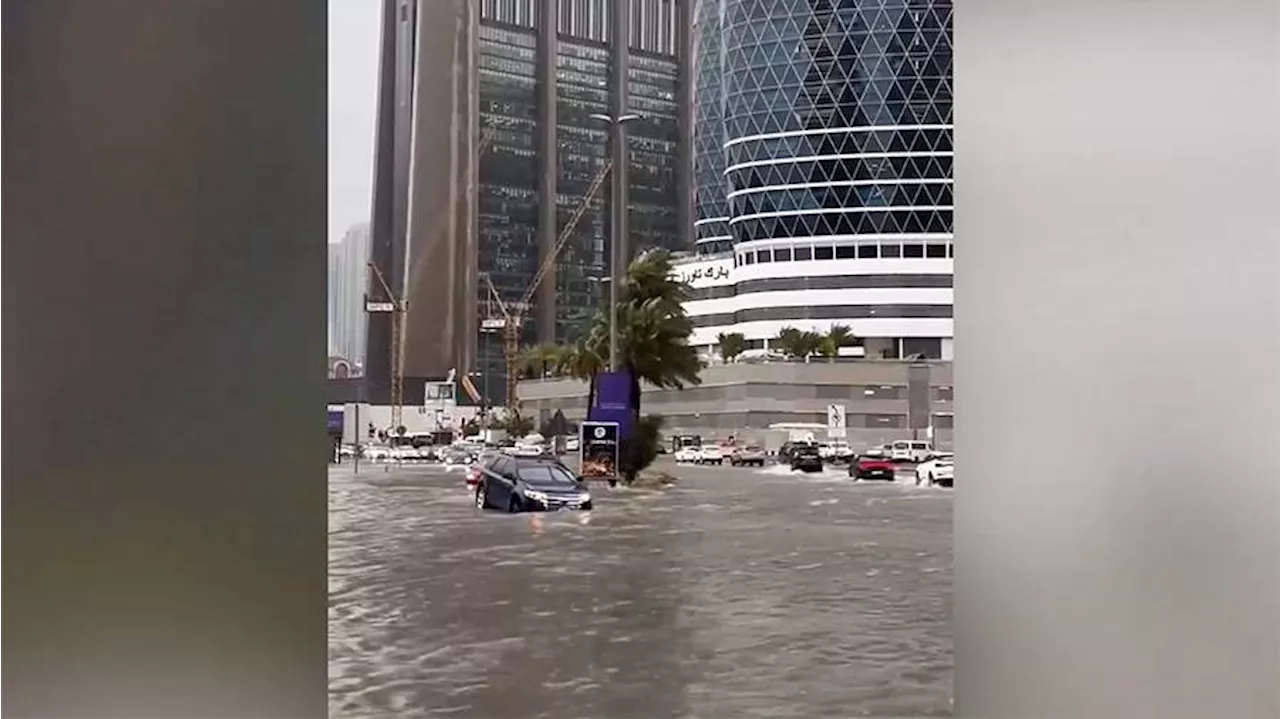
529	484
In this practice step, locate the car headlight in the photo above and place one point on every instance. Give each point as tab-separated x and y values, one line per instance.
535	495
584	497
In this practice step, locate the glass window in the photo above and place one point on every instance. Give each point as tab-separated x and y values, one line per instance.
868	252
846	252
823	252
935	250
749	257
803	253
894	250
782	254
912	250
764	256
951	250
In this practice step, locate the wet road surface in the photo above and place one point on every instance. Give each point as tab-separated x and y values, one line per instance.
736	593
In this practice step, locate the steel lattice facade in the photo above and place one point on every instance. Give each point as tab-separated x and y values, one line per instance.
835	168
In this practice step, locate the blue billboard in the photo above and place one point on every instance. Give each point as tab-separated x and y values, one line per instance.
614	400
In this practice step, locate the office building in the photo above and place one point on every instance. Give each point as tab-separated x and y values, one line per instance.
836	173
485	149
348	277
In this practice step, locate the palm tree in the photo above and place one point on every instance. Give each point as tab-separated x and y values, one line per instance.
798	345
837	336
544	360
732	345
653	330
653	345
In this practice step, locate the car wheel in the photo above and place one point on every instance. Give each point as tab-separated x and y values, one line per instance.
586	506
482	497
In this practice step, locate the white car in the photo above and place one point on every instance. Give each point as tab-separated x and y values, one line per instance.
841	451
710	454
913	451
526	449
938	470
687	454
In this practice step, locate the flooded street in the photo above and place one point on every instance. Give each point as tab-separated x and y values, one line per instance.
736	593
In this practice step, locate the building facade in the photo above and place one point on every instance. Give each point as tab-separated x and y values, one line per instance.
348	282
883	401
837	168
496	139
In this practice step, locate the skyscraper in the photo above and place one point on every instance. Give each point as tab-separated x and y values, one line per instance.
348	281
486	147
836	165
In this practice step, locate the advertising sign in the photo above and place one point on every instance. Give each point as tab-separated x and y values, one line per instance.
599	450
613	402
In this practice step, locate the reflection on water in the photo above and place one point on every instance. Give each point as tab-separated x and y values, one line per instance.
737	594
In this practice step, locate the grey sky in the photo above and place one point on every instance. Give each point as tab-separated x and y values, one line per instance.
353	92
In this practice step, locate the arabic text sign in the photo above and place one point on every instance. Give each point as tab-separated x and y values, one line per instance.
704	274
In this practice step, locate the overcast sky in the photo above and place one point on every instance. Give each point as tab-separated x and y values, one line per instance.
353	93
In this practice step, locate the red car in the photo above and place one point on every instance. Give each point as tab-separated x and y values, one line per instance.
872	464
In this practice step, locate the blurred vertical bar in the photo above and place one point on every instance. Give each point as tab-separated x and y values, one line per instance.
164	473
1118	327
548	166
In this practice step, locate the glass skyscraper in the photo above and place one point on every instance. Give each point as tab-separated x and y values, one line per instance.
835	169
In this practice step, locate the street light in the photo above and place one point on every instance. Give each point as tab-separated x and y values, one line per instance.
617	223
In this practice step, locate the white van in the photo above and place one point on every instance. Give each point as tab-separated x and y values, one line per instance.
910	450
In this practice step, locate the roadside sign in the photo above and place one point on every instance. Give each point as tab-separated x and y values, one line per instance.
598	449
379	307
490	325
836	421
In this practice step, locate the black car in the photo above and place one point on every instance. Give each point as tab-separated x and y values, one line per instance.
788	449
529	484
805	457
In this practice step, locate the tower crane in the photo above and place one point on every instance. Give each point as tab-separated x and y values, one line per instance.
399	307
513	317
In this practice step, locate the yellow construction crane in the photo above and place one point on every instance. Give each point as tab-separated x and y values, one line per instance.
512	319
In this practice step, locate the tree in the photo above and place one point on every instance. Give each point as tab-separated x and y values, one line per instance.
732	344
798	345
837	336
653	346
517	425
544	360
653	330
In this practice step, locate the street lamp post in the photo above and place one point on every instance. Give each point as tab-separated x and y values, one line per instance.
617	224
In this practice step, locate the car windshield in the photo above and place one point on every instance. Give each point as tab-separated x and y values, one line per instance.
547	473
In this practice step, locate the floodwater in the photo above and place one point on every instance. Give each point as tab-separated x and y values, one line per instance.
736	593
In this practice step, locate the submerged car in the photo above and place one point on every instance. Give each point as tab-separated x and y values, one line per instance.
938	470
687	454
872	464
710	454
805	457
747	456
526	484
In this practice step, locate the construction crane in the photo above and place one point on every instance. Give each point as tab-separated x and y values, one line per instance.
399	308
396	305
512	319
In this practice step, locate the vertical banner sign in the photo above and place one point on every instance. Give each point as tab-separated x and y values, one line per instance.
614	402
599	449
836	421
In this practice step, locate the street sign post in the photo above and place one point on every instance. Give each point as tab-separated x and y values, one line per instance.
836	427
